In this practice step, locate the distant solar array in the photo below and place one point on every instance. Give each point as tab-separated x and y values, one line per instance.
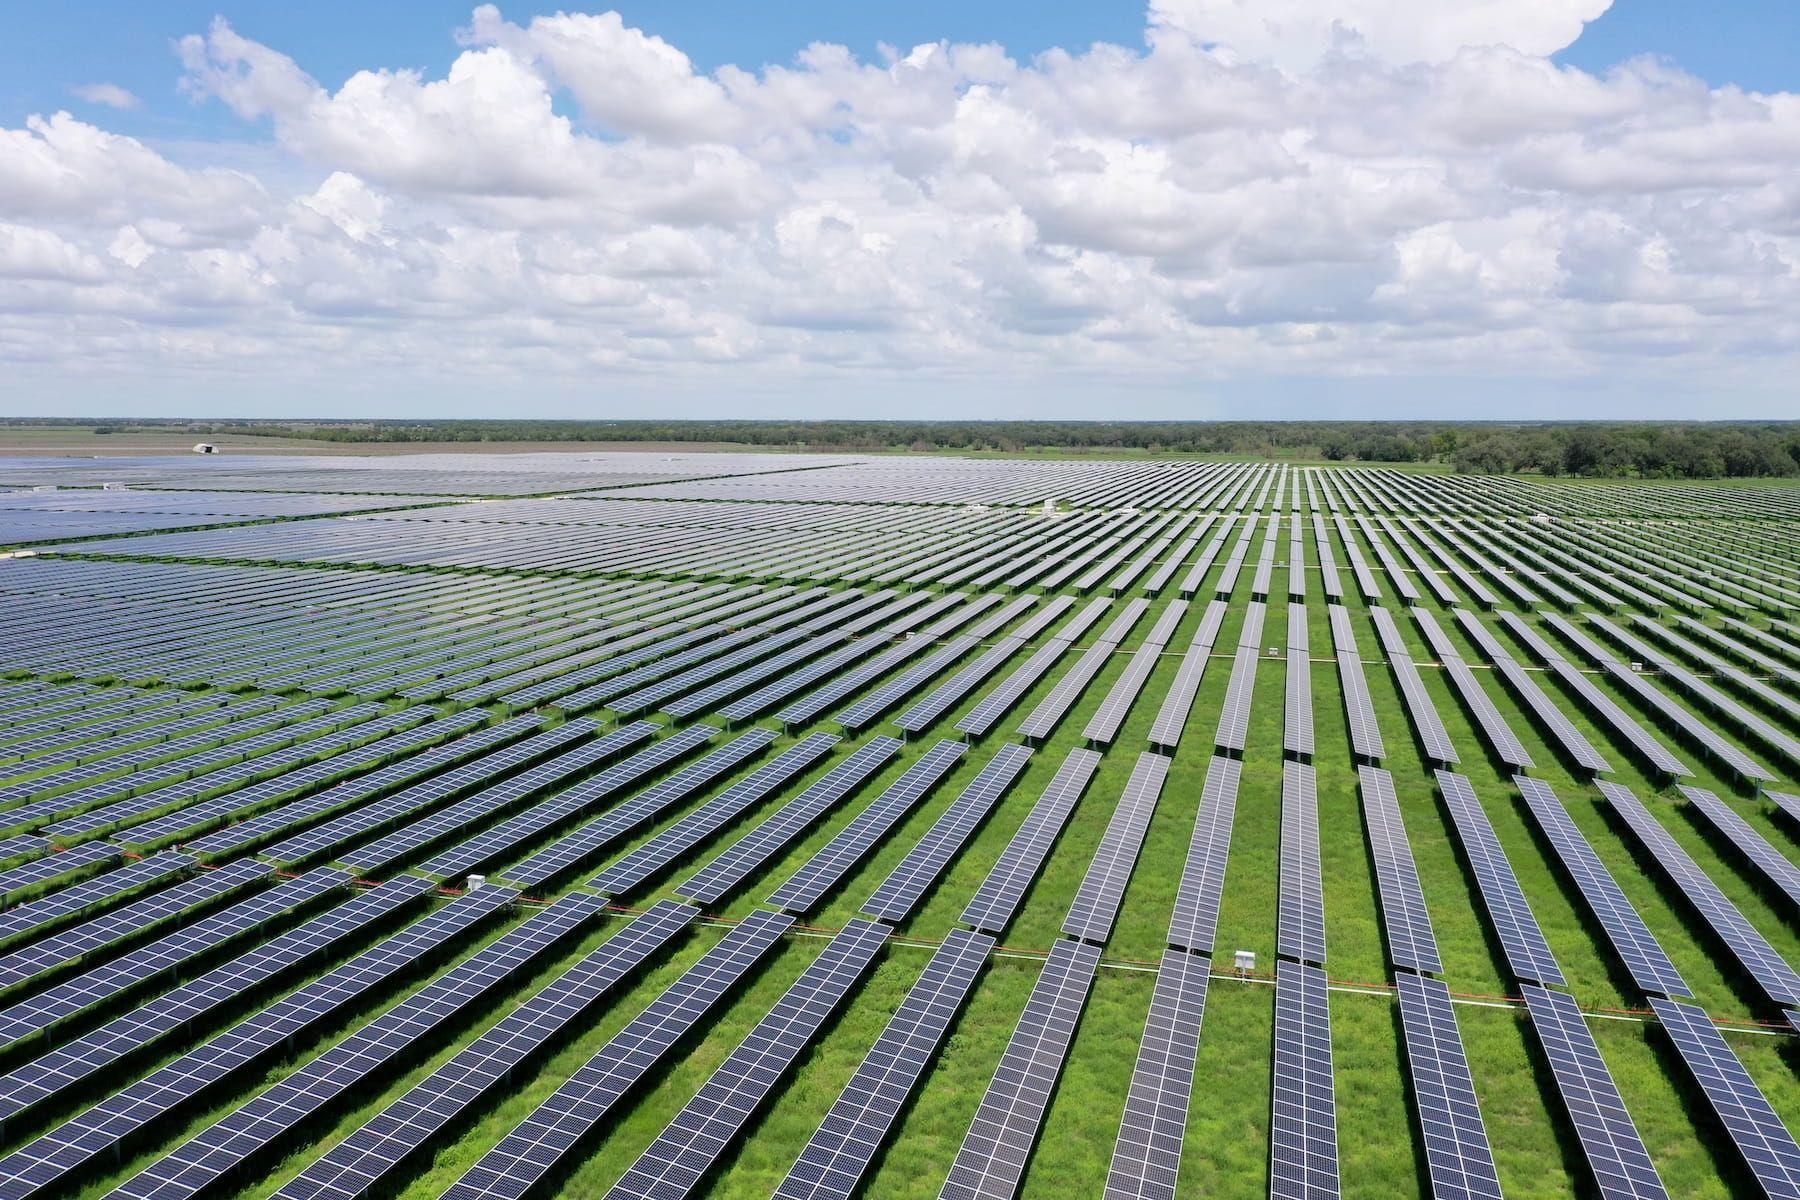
642	825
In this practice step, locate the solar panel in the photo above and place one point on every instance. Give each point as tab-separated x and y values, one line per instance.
557	1126
1753	1126
1146	1161
1457	1155
102	1129
1365	732
808	885
952	690
677	1160
1303	1158
1172	717
370	816
1775	866
617	822
548	814
901	891
1104	725
57	1072
1300	910
129	921
1552	718
1234	720
1632	940
355	1165
36	915
446	823
109	981
51	867
737	861
1411	943
1297	724
988	711
1609	1138
1196	918
405	1029
1501	739
1426	722
243	834
1000	894
1759	959
1102	889
841	1149
1527	953
994	1152
646	860
1044	718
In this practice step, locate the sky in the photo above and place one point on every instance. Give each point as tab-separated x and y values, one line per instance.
1199	208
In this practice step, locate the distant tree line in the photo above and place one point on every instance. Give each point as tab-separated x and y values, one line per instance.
1686	450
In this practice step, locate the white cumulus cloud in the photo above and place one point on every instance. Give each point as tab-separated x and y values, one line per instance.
1282	189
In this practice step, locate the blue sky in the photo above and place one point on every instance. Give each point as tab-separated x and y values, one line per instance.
50	48
556	217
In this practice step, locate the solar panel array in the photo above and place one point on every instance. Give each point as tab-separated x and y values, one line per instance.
1760	960
1300	915
840	1151
1303	1151
998	1146
355	1165
1741	1107
1196	920
1521	939
1631	939
998	898
1609	1138
398	696
1146	1161
819	874
1457	1154
554	1129
1411	943
680	1156
1102	889
897	895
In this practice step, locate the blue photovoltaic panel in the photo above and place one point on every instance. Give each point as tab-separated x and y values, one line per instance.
1000	894
646	860
677	1160
54	1073
265	1119
1196	918
1303	1157
1457	1154
1609	1138
992	1158
908	881
1300	909
1740	1105
737	861
1102	889
353	1166
1760	960
43	1164
1146	1162
824	870
841	1149
557	1126
1632	940
1411	943
1527	953
1775	866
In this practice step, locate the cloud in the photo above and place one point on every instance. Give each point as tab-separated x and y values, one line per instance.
1372	188
109	94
